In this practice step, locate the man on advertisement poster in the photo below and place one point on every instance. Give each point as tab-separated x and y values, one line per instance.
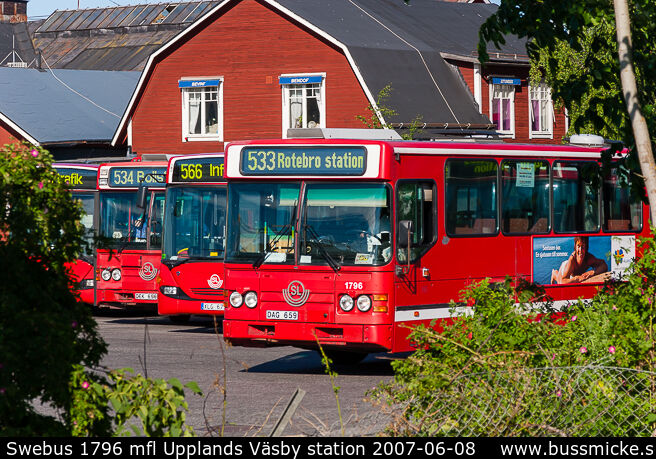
580	266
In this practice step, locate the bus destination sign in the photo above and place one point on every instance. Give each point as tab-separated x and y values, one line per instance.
263	160
201	169
78	178
133	177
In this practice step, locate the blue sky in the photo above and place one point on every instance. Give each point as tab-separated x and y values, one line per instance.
37	9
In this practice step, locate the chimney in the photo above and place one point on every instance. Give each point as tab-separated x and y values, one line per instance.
13	11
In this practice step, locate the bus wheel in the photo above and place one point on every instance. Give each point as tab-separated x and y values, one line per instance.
345	357
180	319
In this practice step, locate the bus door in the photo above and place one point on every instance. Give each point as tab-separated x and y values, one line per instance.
416	280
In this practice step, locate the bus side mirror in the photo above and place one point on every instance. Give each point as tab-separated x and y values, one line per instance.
142	195
406	228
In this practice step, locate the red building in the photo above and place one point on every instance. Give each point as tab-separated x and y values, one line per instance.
254	68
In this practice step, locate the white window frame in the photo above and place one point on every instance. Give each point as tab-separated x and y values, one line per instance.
286	100
509	133
544	96
184	94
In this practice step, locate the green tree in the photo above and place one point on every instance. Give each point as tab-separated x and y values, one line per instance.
50	349
586	49
380	111
44	330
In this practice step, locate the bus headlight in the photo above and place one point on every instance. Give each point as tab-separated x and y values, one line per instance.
236	300
346	303
106	274
364	303
169	290
250	299
116	274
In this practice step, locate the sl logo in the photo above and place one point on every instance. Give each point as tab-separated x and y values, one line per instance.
215	282
148	271
295	294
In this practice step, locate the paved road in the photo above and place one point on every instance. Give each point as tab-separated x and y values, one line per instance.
260	382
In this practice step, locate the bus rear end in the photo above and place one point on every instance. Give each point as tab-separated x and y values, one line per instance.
82	178
191	276
309	246
127	267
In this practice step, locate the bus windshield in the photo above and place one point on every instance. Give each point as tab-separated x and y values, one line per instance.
348	223
126	225
86	200
339	224
195	223
262	222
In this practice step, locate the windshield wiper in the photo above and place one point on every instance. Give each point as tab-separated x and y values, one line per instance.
331	261
288	227
175	263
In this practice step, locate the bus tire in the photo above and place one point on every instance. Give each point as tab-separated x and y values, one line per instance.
180	319
345	357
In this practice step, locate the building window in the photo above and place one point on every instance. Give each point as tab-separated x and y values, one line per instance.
502	108
303	101
541	111
202	109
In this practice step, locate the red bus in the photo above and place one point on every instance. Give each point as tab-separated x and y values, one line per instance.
191	275
82	179
127	268
348	242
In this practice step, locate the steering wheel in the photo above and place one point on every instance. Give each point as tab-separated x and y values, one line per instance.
326	239
354	234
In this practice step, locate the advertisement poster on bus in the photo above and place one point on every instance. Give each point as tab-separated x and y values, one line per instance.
581	259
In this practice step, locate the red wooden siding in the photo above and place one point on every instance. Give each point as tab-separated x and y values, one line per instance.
8	135
249	46
522	119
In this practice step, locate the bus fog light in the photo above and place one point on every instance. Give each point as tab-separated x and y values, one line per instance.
116	274
236	300
250	299
346	303
169	290
106	274
88	283
364	303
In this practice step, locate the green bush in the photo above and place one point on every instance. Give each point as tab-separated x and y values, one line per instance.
49	343
518	367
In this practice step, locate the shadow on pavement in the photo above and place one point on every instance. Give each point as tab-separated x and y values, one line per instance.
309	362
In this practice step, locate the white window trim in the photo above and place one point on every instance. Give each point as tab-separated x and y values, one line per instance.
129	132
186	137
285	100
540	134
478	91
511	133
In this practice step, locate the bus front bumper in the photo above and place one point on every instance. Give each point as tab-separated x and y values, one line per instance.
356	337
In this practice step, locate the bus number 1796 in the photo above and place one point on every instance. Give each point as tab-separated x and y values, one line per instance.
353	285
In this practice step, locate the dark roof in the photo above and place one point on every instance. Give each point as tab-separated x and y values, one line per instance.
403	44
118	38
391	42
44	108
15	38
429	25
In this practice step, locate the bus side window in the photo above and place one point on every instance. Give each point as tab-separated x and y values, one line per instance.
524	197
575	198
471	197
620	211
415	201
